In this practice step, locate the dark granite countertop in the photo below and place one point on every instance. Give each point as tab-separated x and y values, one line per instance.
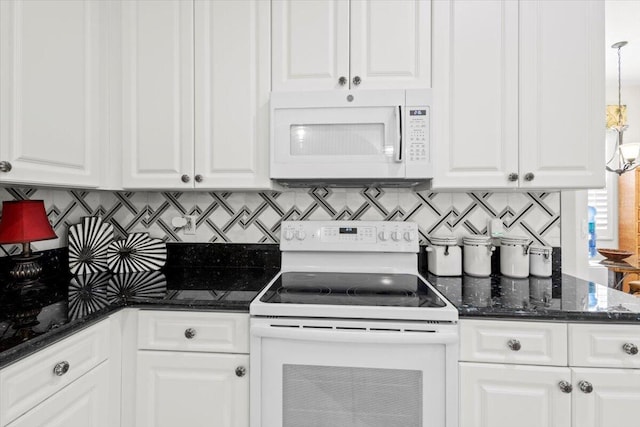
227	277
221	277
558	298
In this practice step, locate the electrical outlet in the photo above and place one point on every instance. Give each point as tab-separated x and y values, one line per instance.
190	227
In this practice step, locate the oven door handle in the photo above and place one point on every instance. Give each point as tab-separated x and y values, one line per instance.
354	336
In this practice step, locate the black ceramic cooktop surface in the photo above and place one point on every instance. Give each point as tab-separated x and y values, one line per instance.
358	289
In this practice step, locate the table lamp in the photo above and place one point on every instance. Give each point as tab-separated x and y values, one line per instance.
25	221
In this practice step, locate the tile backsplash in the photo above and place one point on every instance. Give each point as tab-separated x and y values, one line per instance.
254	217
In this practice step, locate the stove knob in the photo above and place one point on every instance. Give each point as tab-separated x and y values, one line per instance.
383	235
300	235
409	236
287	234
396	236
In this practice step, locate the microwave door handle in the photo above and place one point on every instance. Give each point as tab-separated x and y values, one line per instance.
398	145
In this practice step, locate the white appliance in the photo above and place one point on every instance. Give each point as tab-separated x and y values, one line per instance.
338	137
349	334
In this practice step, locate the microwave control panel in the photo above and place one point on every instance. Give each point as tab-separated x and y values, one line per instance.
417	134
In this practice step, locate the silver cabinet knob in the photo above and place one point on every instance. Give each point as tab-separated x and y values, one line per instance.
585	387
185	178
565	387
190	333
356	80
5	166
241	371
199	178
342	81
514	345
630	348
529	176
61	368
513	177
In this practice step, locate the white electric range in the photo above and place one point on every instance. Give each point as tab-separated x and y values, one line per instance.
349	334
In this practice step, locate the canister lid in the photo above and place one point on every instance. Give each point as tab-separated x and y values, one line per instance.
540	250
514	240
476	239
444	240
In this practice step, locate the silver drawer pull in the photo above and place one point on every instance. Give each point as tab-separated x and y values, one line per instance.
585	387
61	368
514	345
565	387
630	348
190	333
241	371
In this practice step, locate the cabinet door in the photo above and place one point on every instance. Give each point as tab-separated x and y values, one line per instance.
493	395
82	403
191	389
613	400
562	93
310	48
157	93
232	80
53	91
475	83
390	44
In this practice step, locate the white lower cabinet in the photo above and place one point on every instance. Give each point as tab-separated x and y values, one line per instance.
605	397
71	383
192	389
501	395
192	369
82	403
583	375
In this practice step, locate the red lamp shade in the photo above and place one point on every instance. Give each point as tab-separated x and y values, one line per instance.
24	221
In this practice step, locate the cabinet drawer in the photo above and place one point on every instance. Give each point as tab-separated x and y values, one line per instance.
607	346
193	331
513	342
28	382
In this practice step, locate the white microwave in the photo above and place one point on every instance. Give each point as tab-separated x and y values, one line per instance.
341	138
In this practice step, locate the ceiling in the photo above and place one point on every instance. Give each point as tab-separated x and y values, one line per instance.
622	22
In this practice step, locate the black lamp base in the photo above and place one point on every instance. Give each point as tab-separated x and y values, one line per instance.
26	269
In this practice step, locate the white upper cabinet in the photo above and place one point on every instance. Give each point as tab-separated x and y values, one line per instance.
157	101
475	75
562	129
232	81
53	92
334	44
310	44
195	90
519	90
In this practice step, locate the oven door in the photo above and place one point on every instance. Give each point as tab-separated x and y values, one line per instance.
352	374
324	136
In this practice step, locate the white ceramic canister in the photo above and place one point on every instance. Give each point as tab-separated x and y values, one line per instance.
540	261
444	256
477	253
514	256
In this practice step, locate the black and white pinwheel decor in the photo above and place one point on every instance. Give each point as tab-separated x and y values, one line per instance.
88	243
87	294
137	286
138	252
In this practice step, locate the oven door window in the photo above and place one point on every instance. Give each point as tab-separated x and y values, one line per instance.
349	396
350	383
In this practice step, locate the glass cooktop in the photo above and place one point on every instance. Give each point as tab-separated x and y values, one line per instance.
362	289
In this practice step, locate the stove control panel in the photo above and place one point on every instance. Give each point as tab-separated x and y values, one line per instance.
349	236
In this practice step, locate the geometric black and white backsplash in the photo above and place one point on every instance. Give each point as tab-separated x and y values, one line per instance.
254	217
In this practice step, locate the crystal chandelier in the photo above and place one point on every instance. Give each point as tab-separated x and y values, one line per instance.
624	157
